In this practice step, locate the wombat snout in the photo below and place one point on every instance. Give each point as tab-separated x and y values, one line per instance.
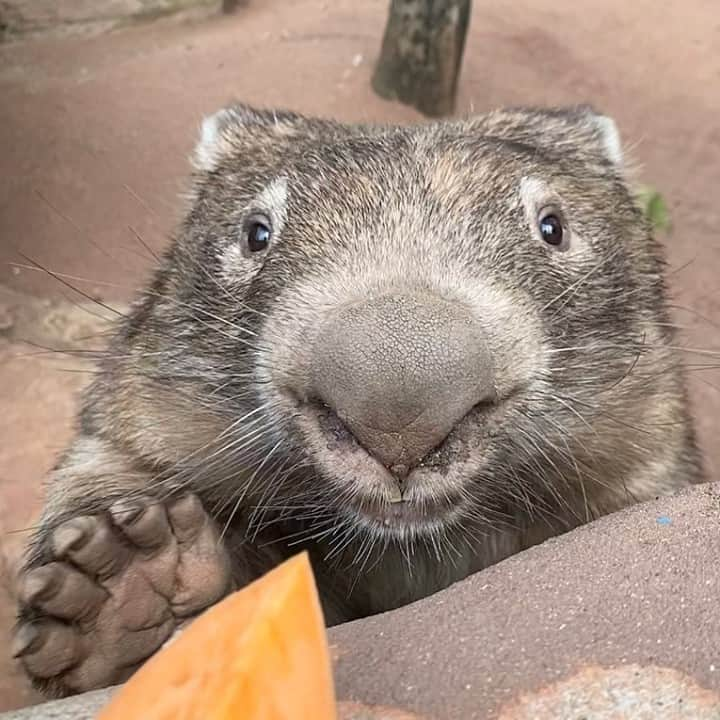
401	371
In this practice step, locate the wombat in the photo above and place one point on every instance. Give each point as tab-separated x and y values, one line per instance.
411	351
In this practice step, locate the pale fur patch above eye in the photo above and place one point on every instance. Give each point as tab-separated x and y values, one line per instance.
273	201
534	193
537	195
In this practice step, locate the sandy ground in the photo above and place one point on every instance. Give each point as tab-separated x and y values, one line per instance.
96	132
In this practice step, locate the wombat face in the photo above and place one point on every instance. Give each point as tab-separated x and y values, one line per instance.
422	327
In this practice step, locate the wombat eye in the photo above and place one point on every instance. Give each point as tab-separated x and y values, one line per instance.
257	234
551	227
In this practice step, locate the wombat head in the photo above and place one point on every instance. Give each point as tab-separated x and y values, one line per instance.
452	324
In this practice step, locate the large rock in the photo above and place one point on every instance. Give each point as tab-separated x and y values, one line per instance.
617	620
596	615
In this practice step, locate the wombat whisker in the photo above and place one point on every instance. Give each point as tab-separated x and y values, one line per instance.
77	278
240	461
74	352
153	255
599	411
133	251
64	278
309	494
709	384
563	436
340	538
120	286
695	313
539	504
549	484
235	466
569	291
86	236
700	367
631	366
270	491
368	542
280	514
567	403
623	423
382	545
22	530
238	466
693	350
470	534
172	477
302	535
78	371
72	287
312	527
249	484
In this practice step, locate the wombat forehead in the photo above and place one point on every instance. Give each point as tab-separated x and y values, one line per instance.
414	176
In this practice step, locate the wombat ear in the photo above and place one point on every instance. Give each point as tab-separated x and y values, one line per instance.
598	130
580	129
238	126
609	137
592	133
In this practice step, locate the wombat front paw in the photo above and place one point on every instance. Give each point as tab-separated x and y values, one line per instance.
114	591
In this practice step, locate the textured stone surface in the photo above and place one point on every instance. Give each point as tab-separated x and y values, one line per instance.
358	711
640	587
82	707
630	691
86	707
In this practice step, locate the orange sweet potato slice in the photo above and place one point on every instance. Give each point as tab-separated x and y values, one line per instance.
259	654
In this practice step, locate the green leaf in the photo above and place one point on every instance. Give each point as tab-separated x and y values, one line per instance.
655	208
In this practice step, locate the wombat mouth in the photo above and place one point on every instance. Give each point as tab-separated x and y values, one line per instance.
404	515
420	500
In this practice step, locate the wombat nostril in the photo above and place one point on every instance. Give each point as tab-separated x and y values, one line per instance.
399	372
333	427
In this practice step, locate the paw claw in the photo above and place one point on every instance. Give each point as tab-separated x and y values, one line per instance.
94	547
68	536
187	517
39	584
147	527
25	637
126	512
63	592
46	648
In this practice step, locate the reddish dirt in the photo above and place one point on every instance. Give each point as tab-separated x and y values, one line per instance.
96	133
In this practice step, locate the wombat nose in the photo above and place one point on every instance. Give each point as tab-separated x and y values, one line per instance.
401	371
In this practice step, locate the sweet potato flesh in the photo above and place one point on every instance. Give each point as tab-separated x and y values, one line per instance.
259	654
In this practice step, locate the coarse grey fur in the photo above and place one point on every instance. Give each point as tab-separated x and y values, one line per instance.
400	468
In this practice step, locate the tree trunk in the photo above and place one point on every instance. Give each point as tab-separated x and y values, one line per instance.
230	6
421	54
